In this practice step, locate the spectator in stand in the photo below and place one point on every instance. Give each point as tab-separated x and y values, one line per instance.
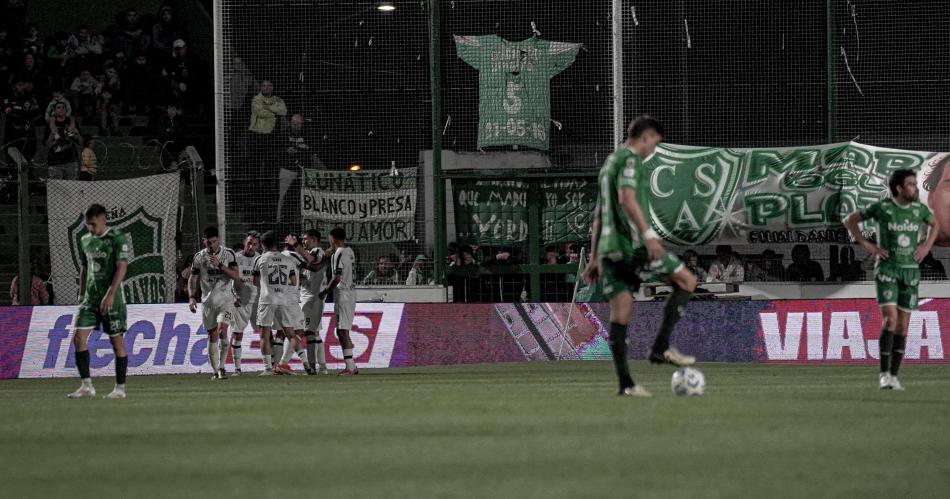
130	38
551	255
726	268
86	46
165	31
139	79
803	268
263	145
32	41
931	269
186	77
85	88
774	270
58	98
421	273
39	294
58	58
299	155
171	133
89	163
21	112
849	268
32	71
61	138
108	116
385	273
691	260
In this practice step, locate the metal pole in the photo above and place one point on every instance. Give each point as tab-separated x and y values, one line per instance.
617	56
831	128
220	92
198	191
438	183
25	280
534	239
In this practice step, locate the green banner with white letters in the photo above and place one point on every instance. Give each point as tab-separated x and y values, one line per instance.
703	195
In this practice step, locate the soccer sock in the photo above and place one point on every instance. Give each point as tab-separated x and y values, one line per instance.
321	355
224	353
236	353
302	354
672	312
885	344
82	363
348	358
312	348
618	348
213	355
288	353
278	347
121	367
897	353
268	363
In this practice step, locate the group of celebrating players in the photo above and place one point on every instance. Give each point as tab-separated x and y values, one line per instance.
278	293
284	291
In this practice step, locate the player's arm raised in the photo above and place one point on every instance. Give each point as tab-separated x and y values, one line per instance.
921	252
631	208
851	223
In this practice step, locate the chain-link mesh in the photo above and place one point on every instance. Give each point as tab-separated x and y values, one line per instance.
350	90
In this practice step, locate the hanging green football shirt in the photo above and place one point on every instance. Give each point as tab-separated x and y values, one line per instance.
898	229
618	236
99	256
514	94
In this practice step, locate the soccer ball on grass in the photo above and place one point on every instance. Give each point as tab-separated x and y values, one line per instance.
688	381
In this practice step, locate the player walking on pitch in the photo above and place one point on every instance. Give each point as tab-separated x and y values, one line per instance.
245	305
625	251
344	295
897	270
215	267
104	254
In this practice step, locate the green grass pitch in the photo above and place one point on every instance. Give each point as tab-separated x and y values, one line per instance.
498	431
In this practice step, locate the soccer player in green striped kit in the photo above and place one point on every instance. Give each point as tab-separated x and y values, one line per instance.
626	251
897	271
104	254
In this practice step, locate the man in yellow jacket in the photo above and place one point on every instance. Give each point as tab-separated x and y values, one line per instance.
263	148
265	108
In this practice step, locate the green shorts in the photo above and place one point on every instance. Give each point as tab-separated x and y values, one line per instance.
627	275
897	286
112	323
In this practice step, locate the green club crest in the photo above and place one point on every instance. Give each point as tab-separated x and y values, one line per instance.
691	192
145	279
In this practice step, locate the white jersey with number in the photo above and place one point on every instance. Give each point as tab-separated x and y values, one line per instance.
247	291
301	267
275	272
215	284
343	263
312	282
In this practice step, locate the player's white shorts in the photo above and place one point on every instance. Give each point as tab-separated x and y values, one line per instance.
344	306
245	315
217	311
312	307
273	316
293	315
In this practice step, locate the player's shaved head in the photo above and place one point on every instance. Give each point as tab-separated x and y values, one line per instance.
96	219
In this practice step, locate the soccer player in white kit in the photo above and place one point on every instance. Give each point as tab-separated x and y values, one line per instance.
245	304
215	267
293	307
312	280
342	262
276	276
